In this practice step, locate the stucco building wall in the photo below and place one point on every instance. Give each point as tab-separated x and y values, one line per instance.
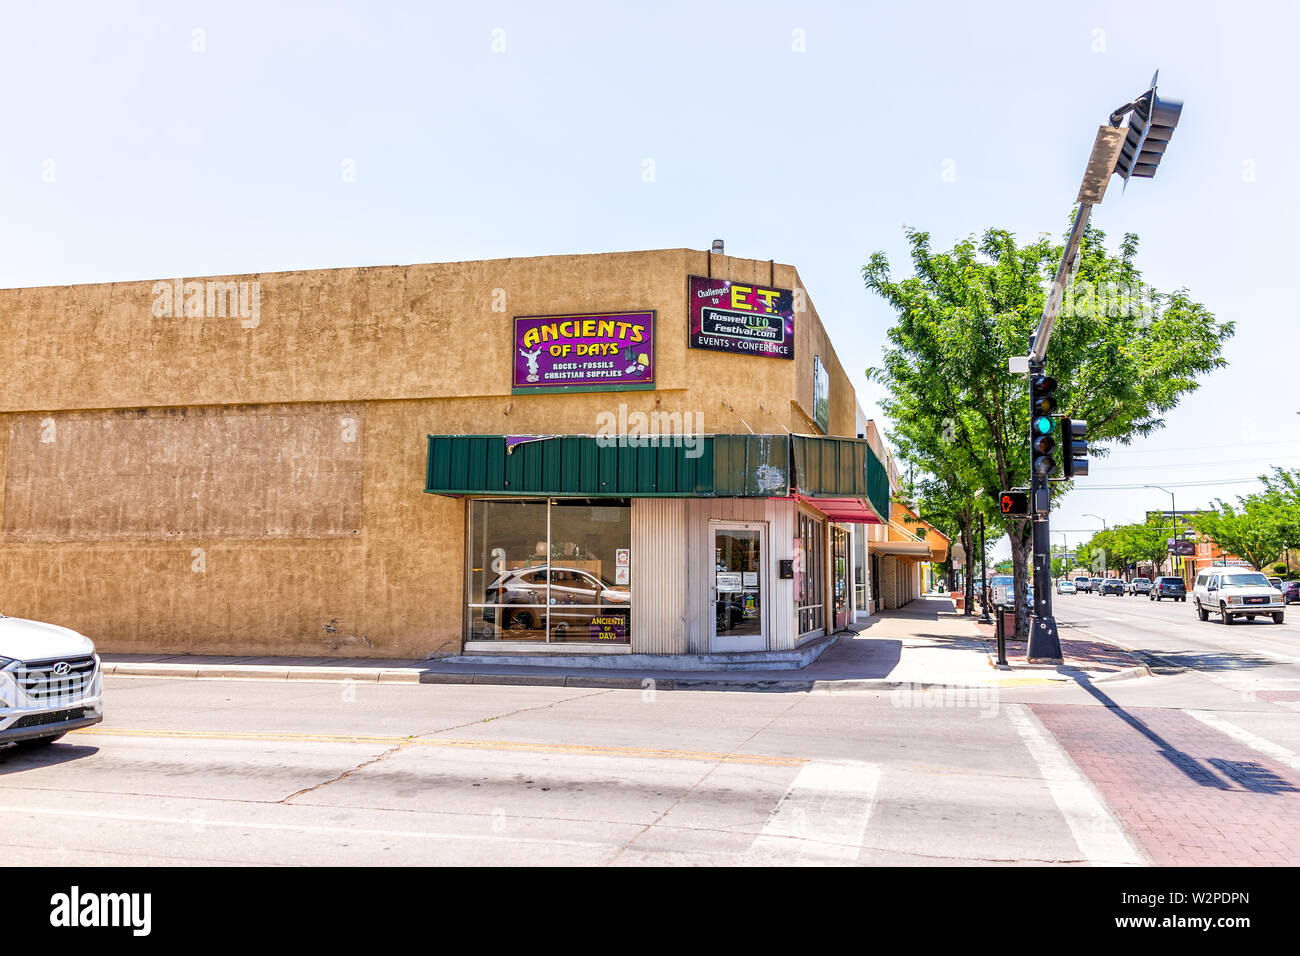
252	484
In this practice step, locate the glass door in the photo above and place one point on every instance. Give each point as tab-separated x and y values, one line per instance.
840	574
738	592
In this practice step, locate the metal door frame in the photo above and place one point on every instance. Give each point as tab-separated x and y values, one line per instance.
759	642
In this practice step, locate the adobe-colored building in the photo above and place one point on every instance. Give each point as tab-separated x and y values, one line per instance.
648	452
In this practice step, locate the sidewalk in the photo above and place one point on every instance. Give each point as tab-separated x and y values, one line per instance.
925	644
1096	657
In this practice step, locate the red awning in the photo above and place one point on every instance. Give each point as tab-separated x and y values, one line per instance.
849	510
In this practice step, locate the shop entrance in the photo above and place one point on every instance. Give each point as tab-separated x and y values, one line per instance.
739	616
840	575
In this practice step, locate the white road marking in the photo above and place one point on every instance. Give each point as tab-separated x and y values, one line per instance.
197	823
1277	657
822	817
1244	736
1101	839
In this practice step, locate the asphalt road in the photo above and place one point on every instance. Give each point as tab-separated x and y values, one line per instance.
1199	765
213	772
239	772
1247	657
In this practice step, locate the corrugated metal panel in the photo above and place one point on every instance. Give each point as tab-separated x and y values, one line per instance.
751	465
724	466
877	483
566	465
782	633
699	574
840	468
659	576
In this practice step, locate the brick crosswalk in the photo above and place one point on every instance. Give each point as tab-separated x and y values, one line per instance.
1188	794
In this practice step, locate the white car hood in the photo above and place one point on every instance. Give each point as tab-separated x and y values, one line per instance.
1250	590
33	641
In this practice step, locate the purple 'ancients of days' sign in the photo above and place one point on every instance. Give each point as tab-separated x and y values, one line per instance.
743	317
587	352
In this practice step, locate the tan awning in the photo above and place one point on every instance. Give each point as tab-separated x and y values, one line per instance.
912	549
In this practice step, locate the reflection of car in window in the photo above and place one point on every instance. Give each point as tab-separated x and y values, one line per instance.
729	612
526	591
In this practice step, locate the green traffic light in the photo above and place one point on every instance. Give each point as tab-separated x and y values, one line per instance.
1043	425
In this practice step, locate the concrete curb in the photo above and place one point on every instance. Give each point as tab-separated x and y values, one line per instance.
261	672
253	672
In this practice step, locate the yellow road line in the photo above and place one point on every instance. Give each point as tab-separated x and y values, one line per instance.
505	745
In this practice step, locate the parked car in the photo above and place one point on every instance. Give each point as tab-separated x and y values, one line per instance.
1064	587
1290	591
1094	586
1234	593
1169	586
1111	586
50	682
1082	583
1139	586
1276	582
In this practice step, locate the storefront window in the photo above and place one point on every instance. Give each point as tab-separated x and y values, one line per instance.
554	571
860	568
811	580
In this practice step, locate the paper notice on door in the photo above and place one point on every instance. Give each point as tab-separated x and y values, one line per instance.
621	575
751	579
729	581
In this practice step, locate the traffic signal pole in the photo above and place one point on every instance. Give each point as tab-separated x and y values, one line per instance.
1133	151
1044	645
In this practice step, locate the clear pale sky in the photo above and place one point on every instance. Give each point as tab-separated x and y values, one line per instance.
295	136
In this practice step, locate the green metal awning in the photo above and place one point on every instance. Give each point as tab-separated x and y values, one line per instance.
840	468
700	466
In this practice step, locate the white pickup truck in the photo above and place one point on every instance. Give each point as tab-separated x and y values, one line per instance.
50	682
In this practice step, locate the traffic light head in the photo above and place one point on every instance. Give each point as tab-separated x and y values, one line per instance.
1042	395
1150	127
1042	402
1075	435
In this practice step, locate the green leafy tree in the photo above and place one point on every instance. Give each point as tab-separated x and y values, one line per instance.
948	496
1282	494
1087	555
1253	529
954	404
1148	542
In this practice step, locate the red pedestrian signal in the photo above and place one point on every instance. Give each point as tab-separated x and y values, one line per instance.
1014	503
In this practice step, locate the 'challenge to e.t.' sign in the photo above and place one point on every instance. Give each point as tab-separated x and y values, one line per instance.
741	317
